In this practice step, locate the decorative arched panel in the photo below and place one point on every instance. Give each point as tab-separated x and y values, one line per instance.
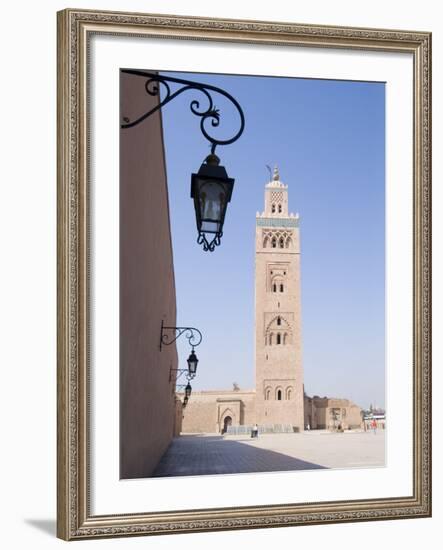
278	331
278	238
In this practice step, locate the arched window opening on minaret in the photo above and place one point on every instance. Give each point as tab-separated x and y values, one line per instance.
279	208
273	208
281	242
288	242
281	287
268	394
274	242
289	393
276	283
265	242
282	334
279	394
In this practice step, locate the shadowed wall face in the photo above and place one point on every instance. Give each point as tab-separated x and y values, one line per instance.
147	288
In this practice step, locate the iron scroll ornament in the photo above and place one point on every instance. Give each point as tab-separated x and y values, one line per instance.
193	335
181	372
152	87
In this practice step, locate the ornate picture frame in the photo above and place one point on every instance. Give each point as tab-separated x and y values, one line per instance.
75	518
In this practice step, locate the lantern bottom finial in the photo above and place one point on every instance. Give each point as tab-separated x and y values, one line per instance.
209	245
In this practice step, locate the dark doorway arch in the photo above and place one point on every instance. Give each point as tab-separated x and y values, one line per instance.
226	423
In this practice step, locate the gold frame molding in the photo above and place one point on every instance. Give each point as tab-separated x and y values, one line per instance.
74	520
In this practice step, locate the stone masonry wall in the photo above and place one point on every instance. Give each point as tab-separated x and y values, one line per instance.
206	410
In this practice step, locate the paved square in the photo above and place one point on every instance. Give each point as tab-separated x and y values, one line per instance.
216	454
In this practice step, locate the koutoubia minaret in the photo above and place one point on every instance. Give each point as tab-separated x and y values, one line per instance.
278	361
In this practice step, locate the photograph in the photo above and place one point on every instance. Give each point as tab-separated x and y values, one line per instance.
251	274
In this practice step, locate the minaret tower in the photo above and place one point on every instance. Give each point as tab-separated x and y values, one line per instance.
278	361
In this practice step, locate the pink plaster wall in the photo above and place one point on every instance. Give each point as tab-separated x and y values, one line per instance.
147	289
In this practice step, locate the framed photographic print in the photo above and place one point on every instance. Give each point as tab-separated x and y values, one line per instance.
243	274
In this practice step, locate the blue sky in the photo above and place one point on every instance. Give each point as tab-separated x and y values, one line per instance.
327	138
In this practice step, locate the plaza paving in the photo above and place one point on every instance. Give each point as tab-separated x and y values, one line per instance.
216	454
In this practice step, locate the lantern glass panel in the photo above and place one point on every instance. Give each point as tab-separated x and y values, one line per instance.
192	363
212	202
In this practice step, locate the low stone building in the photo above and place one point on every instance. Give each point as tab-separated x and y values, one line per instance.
214	411
331	414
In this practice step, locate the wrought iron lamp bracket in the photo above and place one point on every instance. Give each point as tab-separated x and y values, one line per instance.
181	372
153	85
193	335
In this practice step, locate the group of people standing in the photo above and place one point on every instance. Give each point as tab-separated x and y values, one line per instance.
371	425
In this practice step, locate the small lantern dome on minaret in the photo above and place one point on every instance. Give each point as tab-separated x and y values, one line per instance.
276	196
276	176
